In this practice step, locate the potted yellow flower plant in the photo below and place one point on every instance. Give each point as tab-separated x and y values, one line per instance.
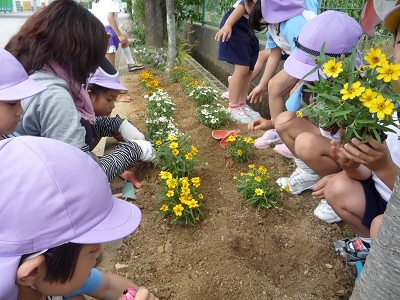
354	95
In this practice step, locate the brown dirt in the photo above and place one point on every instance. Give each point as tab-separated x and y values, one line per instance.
235	251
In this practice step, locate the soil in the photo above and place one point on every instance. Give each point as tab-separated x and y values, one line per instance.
235	251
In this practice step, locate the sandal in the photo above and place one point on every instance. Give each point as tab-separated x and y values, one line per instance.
221	134
130	176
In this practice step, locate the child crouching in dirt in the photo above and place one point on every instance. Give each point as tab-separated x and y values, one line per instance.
50	240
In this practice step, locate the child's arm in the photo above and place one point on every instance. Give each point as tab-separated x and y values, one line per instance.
113	285
375	157
226	30
270	67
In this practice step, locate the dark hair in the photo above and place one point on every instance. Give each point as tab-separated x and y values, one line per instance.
60	262
97	89
63	32
256	21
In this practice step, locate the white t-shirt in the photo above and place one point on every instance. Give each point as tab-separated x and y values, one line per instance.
103	7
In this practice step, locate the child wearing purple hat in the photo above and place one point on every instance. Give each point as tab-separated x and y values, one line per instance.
64	111
285	19
51	251
310	144
15	85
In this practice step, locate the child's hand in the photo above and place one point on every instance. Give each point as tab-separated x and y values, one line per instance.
318	190
123	39
338	155
225	32
258	123
257	94
374	156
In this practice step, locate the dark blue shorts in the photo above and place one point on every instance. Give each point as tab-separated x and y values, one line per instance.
242	47
375	205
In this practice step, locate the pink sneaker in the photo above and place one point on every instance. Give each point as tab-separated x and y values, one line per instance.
283	150
225	95
269	137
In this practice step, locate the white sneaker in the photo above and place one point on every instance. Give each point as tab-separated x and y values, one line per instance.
325	212
251	113
299	181
238	115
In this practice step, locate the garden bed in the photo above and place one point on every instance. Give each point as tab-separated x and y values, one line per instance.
235	251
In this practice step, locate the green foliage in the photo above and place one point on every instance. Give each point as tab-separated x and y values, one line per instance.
213	116
187	10
204	95
180	199
156	57
176	73
258	187
239	148
176	155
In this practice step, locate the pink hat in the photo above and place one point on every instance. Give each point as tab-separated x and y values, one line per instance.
276	11
337	30
53	193
14	81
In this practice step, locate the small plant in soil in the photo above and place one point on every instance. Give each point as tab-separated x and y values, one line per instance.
239	148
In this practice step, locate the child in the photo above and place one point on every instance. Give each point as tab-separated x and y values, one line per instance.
107	12
285	19
64	111
360	193
310	144
14	86
68	191
240	49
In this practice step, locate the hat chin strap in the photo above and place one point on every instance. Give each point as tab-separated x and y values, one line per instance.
316	53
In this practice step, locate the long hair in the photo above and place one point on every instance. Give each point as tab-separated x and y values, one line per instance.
256	21
64	32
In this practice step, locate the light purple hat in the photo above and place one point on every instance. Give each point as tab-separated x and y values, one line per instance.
276	11
105	80
53	193
14	81
337	30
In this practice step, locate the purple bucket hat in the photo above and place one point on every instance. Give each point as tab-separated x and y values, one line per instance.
14	81
52	194
337	30
111	82
276	11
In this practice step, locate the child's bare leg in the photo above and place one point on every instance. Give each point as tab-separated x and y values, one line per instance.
263	56
236	84
245	87
376	222
346	196
278	87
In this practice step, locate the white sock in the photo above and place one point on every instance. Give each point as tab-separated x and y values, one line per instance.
128	56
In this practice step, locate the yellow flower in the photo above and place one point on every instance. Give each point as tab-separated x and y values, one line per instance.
299	113
382	107
171	183
172	138
184	179
194	150
287	188
175	152
257	178
193	204
196	181
388	72
185	199
189	156
355	90
185	191
259	192
174	145
170	193
165	175
158	143
252	166
249	141
240	152
164	207
231	138
263	170
332	69
178	209
375	57
367	97
201	196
